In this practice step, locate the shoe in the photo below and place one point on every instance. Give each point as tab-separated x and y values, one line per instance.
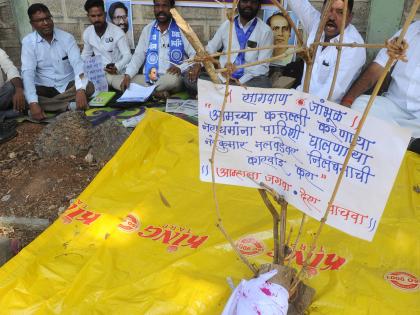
7	131
414	145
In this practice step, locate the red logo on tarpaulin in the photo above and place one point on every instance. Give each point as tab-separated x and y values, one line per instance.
403	280
250	246
130	224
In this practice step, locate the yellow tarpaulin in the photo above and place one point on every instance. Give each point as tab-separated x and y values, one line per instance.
141	239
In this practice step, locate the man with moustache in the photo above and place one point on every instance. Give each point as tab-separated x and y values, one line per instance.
163	46
52	69
249	31
118	13
352	59
106	40
401	103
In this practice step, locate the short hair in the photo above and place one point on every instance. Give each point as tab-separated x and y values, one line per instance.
171	2
114	6
278	14
94	3
349	4
37	7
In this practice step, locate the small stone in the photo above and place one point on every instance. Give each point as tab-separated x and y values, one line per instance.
89	158
73	157
52	207
61	210
5	198
12	155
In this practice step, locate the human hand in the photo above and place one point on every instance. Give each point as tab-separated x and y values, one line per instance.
18	100
111	68
194	72
81	99
125	83
174	70
395	50
37	112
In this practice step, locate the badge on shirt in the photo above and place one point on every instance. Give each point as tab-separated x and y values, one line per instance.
251	44
109	40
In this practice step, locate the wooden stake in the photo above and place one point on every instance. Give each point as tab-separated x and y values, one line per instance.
353	144
340	49
276	219
314	47
351	45
219	222
195	42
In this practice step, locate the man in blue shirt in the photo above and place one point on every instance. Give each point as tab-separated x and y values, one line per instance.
52	69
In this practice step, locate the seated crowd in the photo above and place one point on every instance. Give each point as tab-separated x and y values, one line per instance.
52	76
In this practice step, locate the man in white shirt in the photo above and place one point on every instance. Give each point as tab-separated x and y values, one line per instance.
401	103
161	49
105	39
11	91
352	59
248	31
52	69
12	99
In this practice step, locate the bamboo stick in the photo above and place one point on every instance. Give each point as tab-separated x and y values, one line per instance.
242	50
195	42
352	45
283	218
219	222
353	143
314	47
340	49
250	64
276	219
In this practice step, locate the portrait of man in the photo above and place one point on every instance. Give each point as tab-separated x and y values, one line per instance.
120	14
282	31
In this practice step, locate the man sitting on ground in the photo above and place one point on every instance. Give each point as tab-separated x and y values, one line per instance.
105	39
249	31
401	103
52	69
352	59
12	99
161	48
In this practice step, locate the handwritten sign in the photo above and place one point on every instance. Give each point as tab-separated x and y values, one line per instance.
296	143
94	70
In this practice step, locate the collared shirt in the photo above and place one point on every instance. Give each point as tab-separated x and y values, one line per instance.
352	59
262	36
112	46
7	67
52	65
140	53
404	89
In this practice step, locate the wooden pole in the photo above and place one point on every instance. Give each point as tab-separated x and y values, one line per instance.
353	143
219	222
195	42
276	219
314	47
339	48
352	45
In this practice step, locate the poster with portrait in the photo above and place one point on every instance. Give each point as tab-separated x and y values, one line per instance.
283	34
120	13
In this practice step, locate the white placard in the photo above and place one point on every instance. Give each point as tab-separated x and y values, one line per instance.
94	69
296	143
